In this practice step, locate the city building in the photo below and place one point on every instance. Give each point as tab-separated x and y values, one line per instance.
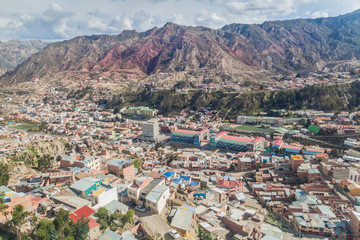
296	161
142	111
156	199
150	131
122	168
182	219
85	186
235	143
335	172
290	149
87	213
189	136
354	222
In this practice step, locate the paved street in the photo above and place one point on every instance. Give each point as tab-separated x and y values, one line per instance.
290	236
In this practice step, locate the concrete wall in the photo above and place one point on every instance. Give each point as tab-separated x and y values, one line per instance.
106	197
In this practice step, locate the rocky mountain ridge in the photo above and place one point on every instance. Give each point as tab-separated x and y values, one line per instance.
14	52
236	51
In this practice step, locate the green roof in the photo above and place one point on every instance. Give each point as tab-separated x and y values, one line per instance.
314	129
184	134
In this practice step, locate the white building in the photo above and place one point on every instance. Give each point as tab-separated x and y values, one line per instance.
156	199
150	130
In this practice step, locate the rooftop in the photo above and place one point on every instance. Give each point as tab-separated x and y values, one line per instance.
183	217
84	212
119	162
155	194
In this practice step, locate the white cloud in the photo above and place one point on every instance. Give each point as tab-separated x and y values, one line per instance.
209	18
68	18
320	14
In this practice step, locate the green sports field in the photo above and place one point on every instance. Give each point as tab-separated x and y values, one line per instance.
25	126
250	128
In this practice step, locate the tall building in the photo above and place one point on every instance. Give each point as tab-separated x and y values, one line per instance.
150	130
296	161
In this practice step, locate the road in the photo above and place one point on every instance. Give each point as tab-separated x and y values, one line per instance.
319	141
328	182
290	236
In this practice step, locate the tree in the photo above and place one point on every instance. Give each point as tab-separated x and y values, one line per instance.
128	217
159	145
113	226
4	174
203	235
81	229
45	230
102	213
18	219
137	164
334	153
103	224
257	167
175	147
115	216
62	224
3	206
45	162
170	157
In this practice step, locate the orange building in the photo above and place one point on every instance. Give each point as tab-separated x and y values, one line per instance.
296	161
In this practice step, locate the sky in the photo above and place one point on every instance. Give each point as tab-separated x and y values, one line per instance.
52	20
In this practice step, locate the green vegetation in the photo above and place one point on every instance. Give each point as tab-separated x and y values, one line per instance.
159	145
18	218
249	128
45	161
137	164
128	217
327	98
3	206
314	129
4	174
102	213
33	151
114	220
25	126
203	235
61	228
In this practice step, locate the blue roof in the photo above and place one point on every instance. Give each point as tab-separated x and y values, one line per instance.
75	169
182	179
193	183
186	178
168	174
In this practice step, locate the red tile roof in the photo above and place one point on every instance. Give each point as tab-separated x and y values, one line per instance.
235	138
82	212
93	223
186	131
258	139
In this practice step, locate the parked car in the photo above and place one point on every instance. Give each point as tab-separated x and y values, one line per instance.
140	208
174	234
298	235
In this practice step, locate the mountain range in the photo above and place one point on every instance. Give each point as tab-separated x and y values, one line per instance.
14	52
236	51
